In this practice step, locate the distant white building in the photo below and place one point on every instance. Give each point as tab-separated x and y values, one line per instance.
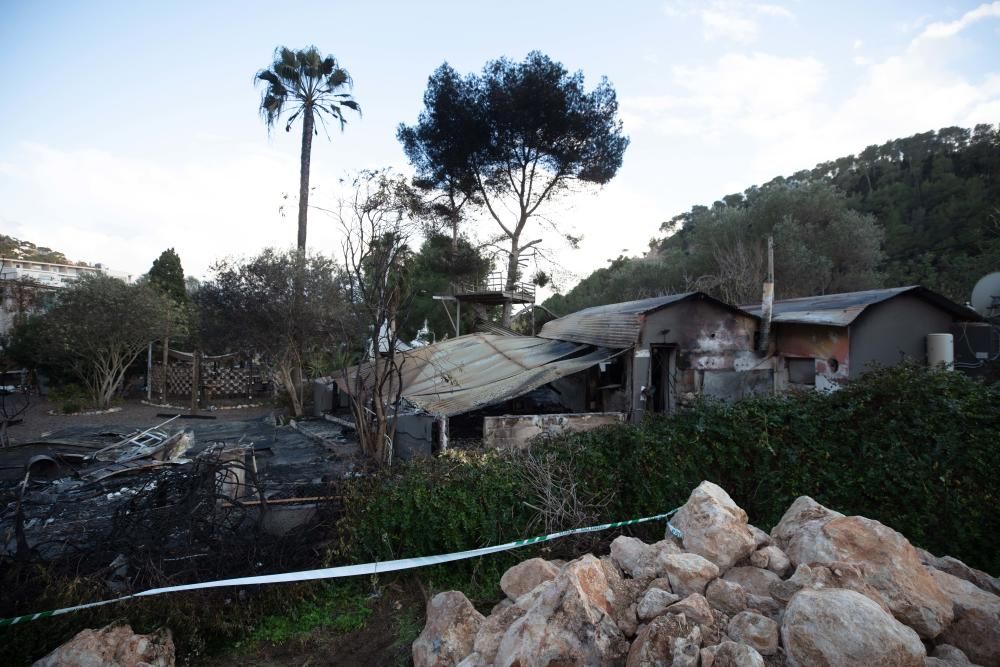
49	274
42	278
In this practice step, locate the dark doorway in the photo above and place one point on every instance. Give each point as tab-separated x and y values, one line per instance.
661	375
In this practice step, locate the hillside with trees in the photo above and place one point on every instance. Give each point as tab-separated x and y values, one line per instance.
920	210
13	248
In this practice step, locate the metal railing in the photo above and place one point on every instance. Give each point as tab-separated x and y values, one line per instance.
497	282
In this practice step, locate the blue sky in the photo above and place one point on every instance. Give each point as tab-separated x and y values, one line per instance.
131	127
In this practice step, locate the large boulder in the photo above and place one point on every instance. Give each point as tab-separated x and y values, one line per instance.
957	568
836	627
754	580
851	576
567	621
726	596
694	607
492	630
950	655
640	560
523	577
654	602
753	629
450	631
890	564
662	639
714	526
771	558
731	654
113	645
801	524
976	628
688	573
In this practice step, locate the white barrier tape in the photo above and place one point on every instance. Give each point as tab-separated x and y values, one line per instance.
346	570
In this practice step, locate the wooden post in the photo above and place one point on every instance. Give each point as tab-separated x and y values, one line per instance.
166	361
443	431
149	372
767	301
195	379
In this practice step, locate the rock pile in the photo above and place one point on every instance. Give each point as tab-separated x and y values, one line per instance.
821	589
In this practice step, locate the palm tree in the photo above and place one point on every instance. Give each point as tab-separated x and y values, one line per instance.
305	83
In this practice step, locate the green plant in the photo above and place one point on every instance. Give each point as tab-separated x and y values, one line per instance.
910	447
340	607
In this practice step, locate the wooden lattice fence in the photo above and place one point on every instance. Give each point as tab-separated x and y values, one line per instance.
215	381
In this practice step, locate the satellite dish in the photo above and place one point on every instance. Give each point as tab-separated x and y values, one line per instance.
985	298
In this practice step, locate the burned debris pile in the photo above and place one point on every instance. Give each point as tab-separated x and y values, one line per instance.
170	504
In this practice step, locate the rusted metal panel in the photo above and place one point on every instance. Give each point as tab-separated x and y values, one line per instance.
826	347
616	325
518	431
469	372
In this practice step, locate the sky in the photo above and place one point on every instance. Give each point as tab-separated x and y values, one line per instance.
132	127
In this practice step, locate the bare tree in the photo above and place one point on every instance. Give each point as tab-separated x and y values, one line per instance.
377	229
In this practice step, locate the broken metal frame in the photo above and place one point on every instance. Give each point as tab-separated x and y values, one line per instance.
143	439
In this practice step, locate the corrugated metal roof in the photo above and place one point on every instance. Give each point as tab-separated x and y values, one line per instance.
615	325
841	310
469	372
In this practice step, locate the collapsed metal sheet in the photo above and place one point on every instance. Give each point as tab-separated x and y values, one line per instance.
469	372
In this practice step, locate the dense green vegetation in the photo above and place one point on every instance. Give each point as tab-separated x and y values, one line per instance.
913	448
920	210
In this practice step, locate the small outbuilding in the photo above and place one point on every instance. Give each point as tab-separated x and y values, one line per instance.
675	347
818	341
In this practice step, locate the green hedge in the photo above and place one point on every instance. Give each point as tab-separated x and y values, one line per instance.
913	448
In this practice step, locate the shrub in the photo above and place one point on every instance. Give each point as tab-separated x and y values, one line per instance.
913	448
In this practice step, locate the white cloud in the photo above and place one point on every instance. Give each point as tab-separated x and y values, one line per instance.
719	25
727	20
781	111
858	44
944	30
122	211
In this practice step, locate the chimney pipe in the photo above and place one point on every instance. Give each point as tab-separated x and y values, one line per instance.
767	302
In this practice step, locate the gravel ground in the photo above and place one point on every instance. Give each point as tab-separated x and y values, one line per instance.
37	420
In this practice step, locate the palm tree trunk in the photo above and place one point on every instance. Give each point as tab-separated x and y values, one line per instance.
307	137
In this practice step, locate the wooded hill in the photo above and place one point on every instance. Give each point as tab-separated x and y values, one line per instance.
924	209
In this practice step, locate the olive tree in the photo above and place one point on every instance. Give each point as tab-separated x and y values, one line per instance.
100	325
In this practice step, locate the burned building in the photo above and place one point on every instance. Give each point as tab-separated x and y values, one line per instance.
620	361
818	341
673	348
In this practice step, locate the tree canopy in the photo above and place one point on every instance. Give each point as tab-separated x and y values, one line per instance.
100	325
512	138
308	84
167	276
280	305
919	210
